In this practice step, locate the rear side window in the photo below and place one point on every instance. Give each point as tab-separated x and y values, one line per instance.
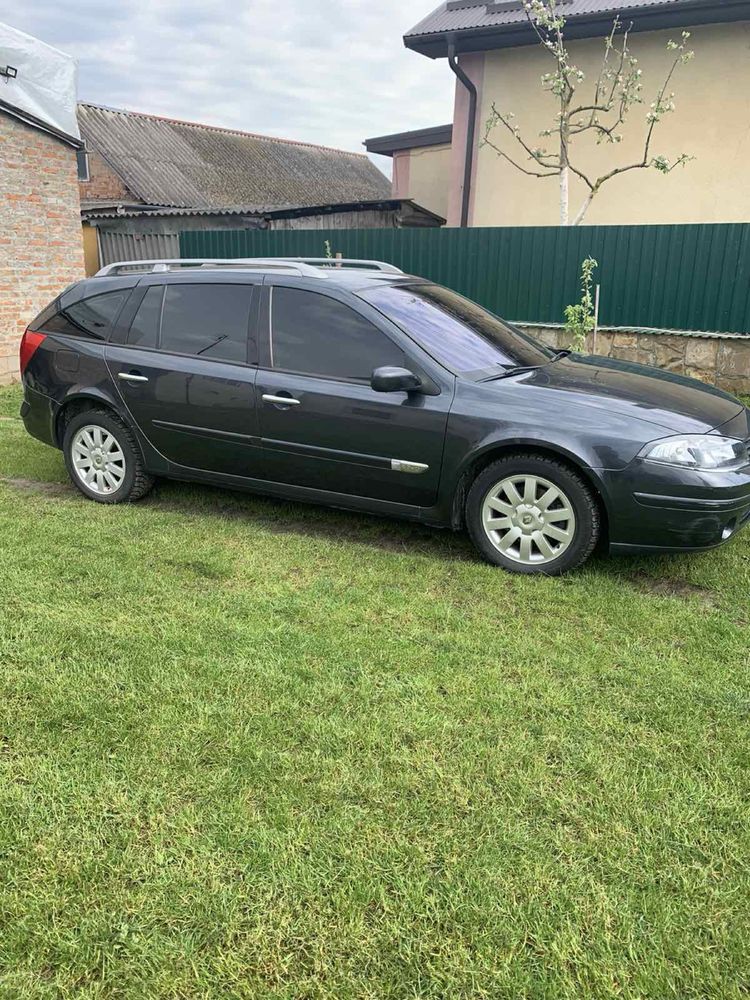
144	330
317	335
209	321
92	317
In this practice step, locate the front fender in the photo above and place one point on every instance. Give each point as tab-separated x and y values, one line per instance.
495	446
512	415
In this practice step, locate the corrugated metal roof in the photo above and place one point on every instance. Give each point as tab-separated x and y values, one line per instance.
449	17
188	165
108	210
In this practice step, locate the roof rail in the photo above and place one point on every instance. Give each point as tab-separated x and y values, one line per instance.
376	265
163	266
308	267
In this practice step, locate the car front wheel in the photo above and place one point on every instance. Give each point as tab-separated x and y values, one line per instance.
103	458
531	514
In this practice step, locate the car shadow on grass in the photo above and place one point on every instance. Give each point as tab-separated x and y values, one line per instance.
647	574
326	523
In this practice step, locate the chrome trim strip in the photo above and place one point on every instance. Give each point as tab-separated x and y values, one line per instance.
414	468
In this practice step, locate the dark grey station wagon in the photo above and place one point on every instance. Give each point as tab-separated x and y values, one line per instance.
358	386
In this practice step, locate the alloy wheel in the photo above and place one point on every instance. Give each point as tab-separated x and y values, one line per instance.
529	519
98	459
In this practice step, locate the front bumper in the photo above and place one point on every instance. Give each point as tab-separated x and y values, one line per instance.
666	509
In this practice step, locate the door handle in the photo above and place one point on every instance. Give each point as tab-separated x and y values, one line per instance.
130	377
281	400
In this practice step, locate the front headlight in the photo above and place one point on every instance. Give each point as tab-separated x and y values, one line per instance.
699	451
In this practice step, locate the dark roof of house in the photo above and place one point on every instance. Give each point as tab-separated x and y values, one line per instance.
387	145
476	25
187	165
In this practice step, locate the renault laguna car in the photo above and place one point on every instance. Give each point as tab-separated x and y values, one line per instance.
361	387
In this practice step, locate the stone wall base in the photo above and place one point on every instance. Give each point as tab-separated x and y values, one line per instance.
718	360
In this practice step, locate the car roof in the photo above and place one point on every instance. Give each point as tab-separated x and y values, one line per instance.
127	274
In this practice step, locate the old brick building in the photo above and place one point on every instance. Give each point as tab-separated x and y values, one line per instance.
41	232
40	236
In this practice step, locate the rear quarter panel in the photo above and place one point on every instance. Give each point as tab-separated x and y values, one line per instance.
64	370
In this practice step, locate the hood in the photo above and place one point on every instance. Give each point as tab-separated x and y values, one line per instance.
680	405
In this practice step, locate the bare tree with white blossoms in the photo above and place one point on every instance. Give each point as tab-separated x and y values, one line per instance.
600	115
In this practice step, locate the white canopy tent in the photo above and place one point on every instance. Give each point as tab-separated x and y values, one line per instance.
38	83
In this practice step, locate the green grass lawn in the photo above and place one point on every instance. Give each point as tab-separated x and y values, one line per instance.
256	749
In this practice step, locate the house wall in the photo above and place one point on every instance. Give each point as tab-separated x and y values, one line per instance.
400	181
710	123
90	250
473	66
424	175
103	183
41	250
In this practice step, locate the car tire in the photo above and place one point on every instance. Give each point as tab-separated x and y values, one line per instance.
534	515
103	459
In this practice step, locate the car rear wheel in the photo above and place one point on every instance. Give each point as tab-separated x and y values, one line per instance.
103	458
531	514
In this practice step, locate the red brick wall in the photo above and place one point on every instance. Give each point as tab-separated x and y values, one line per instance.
103	182
41	248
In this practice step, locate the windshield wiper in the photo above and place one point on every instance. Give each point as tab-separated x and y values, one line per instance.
512	371
524	369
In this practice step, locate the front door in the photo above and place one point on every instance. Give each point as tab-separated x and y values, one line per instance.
322	425
185	375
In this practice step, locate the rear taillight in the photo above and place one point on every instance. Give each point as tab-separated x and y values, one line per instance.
29	343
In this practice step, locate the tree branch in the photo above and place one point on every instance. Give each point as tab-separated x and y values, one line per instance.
530	173
535	154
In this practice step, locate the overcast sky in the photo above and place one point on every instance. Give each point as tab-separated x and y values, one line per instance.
328	71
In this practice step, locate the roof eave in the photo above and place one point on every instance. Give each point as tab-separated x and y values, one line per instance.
119	210
689	14
387	145
385	204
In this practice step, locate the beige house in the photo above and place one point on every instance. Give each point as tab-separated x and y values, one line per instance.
497	58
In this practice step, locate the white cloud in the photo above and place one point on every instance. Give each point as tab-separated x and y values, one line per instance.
326	71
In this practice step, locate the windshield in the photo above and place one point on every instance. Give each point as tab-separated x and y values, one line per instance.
458	333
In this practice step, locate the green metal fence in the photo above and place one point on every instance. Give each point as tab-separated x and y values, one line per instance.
663	277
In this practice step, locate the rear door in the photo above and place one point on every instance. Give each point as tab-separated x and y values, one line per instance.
184	361
335	433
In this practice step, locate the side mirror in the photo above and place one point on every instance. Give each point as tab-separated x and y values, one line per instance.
395	380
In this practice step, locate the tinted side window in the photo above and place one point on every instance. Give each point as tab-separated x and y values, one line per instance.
210	321
91	317
459	333
317	335
144	330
